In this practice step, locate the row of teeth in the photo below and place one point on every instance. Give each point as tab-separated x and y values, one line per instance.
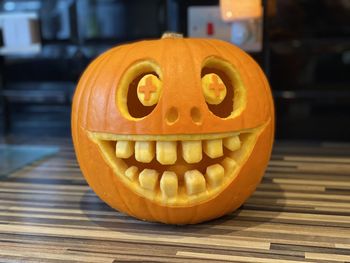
166	151
194	181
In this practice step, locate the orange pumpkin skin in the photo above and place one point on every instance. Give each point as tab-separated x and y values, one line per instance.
181	61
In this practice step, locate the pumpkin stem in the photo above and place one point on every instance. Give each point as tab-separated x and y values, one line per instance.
172	35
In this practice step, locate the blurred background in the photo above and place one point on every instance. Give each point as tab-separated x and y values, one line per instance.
302	45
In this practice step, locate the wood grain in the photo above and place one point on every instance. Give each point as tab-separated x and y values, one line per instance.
299	213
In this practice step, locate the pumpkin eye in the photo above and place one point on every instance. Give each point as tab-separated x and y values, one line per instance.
218	91
214	89
139	90
149	89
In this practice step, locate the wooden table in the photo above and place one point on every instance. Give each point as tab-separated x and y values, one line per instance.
299	213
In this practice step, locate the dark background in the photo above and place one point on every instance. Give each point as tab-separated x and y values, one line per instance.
306	57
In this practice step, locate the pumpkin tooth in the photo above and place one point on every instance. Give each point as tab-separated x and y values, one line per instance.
229	165
192	151
169	184
214	175
148	179
132	172
166	152
124	149
213	148
144	151
232	143
195	182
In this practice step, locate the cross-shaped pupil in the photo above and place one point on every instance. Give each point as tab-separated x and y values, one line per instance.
148	88
216	86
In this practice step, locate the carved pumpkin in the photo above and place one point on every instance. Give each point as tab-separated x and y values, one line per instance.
173	130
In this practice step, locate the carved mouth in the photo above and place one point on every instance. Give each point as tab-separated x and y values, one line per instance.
177	169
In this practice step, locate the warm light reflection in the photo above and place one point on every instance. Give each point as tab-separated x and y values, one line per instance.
238	9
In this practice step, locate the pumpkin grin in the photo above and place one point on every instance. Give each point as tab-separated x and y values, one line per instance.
177	169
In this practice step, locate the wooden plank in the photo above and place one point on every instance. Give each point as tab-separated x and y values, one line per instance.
323	256
118	235
295	216
230	258
345	184
316	159
304	196
44	256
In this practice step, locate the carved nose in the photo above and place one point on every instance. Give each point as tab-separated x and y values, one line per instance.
196	115
172	116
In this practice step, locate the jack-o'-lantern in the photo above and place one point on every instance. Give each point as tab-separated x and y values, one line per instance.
173	130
